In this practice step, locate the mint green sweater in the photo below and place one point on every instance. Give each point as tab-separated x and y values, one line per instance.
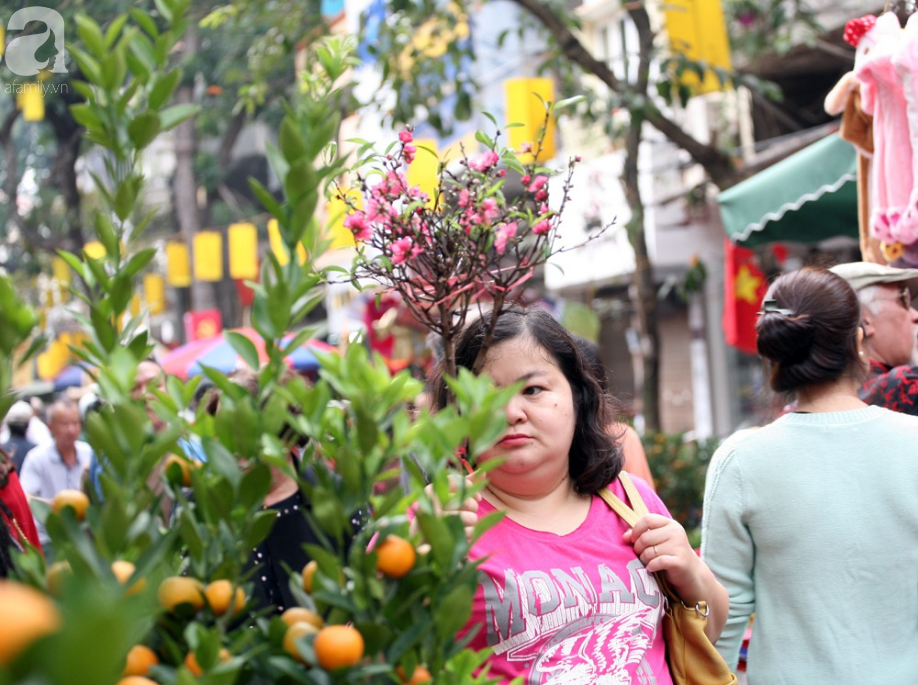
811	523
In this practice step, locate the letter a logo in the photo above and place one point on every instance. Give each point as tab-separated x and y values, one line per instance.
20	53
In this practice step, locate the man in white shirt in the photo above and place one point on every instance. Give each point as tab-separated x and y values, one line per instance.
58	465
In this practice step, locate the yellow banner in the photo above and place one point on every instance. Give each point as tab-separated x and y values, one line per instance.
697	30
525	100
178	270
243	251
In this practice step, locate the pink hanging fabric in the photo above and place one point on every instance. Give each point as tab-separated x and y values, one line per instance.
905	62
882	97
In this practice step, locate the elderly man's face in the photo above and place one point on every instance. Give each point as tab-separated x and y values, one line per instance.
891	326
65	427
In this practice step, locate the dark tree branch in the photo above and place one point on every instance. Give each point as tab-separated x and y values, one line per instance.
230	136
68	135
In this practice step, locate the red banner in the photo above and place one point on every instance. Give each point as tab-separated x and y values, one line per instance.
202	324
744	289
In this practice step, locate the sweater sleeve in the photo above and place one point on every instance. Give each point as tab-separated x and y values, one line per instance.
727	547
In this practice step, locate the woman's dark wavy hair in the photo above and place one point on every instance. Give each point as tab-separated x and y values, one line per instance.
595	457
814	341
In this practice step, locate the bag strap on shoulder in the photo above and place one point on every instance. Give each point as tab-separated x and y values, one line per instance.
636	510
631	516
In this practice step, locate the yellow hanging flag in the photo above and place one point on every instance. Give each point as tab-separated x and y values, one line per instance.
154	290
178	270
525	101
31	101
423	171
697	30
243	251
208	256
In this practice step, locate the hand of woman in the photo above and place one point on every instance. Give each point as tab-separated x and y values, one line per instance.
466	510
662	545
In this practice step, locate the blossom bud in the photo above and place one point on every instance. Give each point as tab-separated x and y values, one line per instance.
541	227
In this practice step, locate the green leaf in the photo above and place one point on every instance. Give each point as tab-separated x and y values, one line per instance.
322	134
265	197
145	21
144	129
114	30
258	528
91	35
125	199
568	103
88	65
301	180
244	347
290	140
175	115
141	50
73	261
163	88
114	69
437	534
86	116
139	261
105	232
191	534
165	10
454	611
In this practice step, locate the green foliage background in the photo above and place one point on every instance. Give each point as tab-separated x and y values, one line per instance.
679	467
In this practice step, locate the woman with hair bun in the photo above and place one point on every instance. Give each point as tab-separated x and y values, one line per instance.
810	522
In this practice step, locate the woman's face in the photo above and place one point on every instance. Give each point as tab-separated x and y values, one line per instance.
540	419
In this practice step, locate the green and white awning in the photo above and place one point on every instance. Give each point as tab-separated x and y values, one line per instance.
807	197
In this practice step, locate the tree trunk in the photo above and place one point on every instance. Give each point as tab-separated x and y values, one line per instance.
645	286
185	187
645	289
68	134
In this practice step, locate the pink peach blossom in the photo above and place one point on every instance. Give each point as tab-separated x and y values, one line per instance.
484	161
401	249
538	183
489	210
359	226
503	234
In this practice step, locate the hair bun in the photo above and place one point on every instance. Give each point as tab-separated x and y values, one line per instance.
785	339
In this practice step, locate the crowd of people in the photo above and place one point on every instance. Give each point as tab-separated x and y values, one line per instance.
799	515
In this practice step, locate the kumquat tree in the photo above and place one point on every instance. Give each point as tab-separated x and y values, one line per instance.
152	579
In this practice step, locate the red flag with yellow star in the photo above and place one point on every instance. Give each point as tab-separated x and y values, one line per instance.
744	289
